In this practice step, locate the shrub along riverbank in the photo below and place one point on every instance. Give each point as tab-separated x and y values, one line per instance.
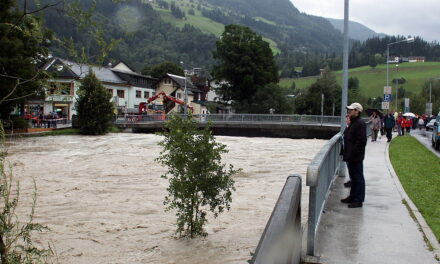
418	170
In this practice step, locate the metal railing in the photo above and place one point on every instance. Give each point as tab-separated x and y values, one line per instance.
320	175
281	240
240	118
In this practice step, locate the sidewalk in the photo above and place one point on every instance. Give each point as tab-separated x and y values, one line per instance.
382	231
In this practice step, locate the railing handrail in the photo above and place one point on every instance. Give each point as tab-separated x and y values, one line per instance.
281	239
321	173
232	118
316	164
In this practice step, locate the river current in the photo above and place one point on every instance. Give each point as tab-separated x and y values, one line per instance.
102	197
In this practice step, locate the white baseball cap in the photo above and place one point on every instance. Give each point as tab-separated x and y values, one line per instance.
356	106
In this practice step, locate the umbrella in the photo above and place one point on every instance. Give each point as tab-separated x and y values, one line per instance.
370	111
409	114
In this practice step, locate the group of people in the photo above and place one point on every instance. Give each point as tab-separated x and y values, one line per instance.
395	122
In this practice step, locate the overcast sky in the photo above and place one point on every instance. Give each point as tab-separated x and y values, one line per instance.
393	17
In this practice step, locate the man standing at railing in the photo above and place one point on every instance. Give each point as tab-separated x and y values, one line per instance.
355	140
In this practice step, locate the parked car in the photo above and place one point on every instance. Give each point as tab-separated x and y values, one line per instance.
436	133
430	125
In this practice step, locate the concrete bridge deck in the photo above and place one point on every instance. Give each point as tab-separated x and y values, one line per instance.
383	230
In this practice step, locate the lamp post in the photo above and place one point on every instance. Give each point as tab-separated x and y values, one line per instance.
408	40
185	107
397	83
344	98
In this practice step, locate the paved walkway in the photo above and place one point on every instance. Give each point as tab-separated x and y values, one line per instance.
383	230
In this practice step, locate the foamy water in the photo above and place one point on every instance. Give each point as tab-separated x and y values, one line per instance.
102	197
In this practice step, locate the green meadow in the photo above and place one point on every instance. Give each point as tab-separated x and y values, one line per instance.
372	80
205	24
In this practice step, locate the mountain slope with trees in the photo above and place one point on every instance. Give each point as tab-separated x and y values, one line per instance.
146	36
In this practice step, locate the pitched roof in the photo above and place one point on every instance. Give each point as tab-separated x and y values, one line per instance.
180	80
104	74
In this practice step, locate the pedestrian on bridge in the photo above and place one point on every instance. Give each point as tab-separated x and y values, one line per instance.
355	140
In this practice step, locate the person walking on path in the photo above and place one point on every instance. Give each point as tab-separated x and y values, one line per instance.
375	125
408	124
388	123
355	140
399	121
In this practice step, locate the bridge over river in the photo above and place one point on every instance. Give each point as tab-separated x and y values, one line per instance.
249	125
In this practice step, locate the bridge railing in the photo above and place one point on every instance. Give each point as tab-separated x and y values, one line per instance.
281	239
240	118
320	175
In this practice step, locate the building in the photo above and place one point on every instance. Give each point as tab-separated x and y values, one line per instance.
127	87
416	59
174	85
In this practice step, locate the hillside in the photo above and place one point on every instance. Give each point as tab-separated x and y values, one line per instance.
372	81
356	30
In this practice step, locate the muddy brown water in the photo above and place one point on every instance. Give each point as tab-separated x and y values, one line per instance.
102	197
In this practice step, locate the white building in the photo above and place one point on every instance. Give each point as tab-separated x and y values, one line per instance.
127	87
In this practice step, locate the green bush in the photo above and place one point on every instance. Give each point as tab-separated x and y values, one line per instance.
198	182
19	123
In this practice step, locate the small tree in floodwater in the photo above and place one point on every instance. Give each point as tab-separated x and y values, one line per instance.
16	243
198	181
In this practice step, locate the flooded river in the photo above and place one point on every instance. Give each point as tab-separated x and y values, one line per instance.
102	197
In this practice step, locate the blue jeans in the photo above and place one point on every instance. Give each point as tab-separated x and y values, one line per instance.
356	171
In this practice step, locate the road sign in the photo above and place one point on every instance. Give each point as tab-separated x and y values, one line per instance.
385	105
428	109
387	97
387	89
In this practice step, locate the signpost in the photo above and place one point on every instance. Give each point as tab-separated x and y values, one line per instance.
406	104
428	109
386	97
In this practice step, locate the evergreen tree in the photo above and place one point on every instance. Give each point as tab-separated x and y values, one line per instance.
23	45
198	181
310	101
95	111
246	64
159	70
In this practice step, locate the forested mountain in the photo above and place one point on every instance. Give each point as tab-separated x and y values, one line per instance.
149	34
357	31
154	31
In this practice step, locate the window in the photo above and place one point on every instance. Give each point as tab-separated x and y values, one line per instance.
138	94
146	94
110	92
178	95
121	93
57	88
167	81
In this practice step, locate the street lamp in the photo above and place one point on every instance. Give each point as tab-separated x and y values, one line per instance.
397	82
408	40
185	108
344	98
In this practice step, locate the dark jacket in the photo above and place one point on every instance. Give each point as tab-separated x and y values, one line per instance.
388	121
355	139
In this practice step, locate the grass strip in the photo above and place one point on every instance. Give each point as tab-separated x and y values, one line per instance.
418	170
